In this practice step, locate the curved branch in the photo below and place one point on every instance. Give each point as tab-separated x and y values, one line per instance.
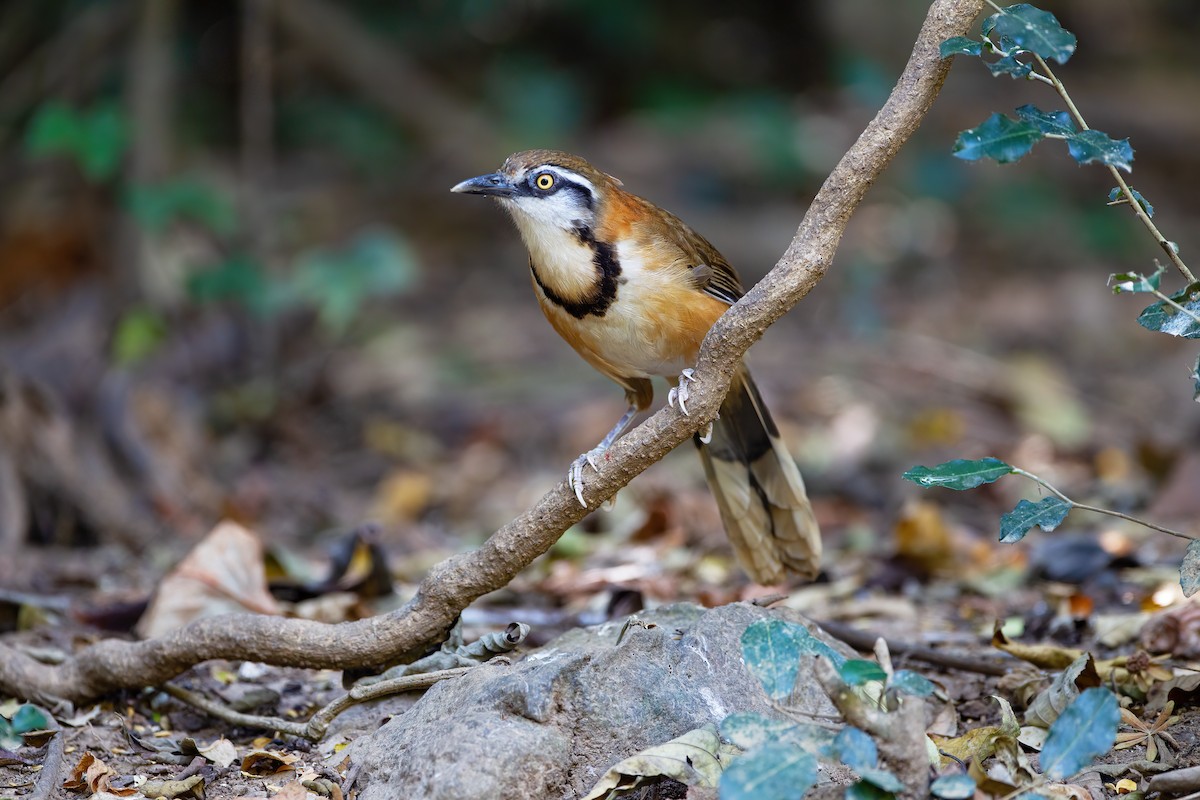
455	583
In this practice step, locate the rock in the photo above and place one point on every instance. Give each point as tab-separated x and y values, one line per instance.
551	724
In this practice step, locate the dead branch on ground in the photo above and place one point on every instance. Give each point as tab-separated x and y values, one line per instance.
455	583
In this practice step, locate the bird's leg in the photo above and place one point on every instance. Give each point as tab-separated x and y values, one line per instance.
575	473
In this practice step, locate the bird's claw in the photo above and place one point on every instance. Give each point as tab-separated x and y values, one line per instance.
706	433
575	473
680	394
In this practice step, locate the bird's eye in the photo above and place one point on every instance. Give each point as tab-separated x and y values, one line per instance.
544	181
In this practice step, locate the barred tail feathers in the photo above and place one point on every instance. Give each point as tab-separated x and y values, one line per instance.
758	488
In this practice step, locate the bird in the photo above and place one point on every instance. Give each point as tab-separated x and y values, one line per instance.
633	290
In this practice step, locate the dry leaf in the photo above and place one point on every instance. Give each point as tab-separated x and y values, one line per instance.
696	758
1064	791
1045	656
292	791
94	776
188	787
221	752
979	744
267	762
1049	704
923	538
223	574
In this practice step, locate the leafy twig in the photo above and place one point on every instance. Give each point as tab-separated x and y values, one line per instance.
1097	509
1047	514
1168	247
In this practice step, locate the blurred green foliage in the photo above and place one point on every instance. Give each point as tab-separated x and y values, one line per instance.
139	332
156	207
370	143
94	138
334	283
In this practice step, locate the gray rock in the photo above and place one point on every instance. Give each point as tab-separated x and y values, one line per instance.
551	724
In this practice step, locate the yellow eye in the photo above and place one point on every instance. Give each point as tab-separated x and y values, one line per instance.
544	181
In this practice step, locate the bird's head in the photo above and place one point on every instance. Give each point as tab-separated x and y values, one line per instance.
545	188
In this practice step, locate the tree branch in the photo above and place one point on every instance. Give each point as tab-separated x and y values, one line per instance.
455	583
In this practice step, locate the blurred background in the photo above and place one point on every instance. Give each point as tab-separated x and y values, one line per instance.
233	282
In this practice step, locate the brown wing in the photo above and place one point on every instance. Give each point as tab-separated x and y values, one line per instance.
710	271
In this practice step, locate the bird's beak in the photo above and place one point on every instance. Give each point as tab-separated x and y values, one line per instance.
495	185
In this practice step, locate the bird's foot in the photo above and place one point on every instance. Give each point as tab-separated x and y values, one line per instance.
575	473
706	433
680	393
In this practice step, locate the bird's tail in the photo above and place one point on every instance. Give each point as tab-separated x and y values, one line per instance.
759	490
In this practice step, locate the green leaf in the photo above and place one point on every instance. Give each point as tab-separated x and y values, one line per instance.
1035	30
1116	192
960	46
54	128
25	719
9	740
856	749
1165	318
29	718
1189	570
910	682
857	672
1085	730
959	474
774	771
772	655
953	787
94	138
1135	281
157	206
1092	145
772	650
812	646
1009	65
139	333
748	730
1054	122
1195	376
337	283
864	790
881	778
239	279
999	138
1047	514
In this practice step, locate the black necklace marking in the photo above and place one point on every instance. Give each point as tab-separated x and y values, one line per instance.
608	271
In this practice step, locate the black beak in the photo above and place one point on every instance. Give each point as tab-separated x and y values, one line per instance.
495	185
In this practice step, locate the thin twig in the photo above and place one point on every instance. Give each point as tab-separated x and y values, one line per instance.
50	777
1049	77
227	714
256	111
865	641
1107	511
1169	248
1182	310
319	722
314	730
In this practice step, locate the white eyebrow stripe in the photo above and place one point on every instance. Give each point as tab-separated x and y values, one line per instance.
570	177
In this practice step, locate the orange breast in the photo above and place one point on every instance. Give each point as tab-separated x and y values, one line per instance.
654	328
